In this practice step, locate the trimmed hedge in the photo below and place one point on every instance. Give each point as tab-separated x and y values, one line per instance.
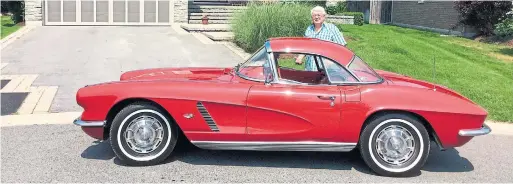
257	23
358	17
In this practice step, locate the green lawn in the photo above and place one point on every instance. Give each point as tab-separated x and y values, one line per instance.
8	26
482	72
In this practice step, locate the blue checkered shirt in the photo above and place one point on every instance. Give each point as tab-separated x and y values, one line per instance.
328	32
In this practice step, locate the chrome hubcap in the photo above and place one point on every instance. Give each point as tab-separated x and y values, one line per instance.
144	134
395	145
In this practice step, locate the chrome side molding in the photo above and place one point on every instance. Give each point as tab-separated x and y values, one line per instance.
276	146
485	129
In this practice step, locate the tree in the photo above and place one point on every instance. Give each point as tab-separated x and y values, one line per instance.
483	15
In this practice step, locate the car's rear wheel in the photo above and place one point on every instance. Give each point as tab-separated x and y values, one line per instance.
141	134
395	145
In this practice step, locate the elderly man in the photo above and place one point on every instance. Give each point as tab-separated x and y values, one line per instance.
320	30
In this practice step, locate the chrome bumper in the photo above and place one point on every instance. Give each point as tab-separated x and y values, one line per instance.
79	122
476	132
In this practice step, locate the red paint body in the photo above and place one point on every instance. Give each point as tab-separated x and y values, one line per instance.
246	110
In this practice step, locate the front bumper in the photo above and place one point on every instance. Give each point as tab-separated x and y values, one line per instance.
80	122
95	129
485	129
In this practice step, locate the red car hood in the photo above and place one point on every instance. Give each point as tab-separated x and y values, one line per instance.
175	73
407	81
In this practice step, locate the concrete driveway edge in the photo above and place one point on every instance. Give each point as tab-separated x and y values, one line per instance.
39	119
16	35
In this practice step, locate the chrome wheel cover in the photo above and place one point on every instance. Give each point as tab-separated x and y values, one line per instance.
144	134
395	145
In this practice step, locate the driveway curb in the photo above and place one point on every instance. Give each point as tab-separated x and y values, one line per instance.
39	119
68	117
16	35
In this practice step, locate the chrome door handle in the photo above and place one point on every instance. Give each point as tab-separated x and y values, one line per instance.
332	98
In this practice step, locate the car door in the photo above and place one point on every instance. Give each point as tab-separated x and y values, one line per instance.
297	106
283	112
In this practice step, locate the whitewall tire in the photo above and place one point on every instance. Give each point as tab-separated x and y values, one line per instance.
395	145
142	134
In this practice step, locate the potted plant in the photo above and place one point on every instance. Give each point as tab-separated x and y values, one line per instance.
204	20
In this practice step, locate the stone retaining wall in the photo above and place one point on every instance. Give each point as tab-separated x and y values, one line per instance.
340	19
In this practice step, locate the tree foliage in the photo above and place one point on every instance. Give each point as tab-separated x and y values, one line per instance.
483	15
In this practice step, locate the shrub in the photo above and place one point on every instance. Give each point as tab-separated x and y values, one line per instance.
340	7
505	27
258	23
17	8
358	17
483	15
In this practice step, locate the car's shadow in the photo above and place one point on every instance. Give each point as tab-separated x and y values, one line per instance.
438	161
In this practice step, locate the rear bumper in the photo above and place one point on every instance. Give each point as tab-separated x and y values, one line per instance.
485	129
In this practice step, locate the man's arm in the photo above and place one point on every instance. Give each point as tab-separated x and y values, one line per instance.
301	56
338	37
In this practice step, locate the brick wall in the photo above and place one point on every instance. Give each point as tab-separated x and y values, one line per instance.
430	14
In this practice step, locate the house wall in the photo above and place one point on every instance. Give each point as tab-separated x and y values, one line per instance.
181	11
33	12
434	15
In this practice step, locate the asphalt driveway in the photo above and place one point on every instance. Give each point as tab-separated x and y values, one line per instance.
70	57
63	153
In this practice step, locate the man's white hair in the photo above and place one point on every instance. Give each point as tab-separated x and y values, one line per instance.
318	9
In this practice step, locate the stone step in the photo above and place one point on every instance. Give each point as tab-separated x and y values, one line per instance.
210	18
215	7
219	36
206	28
212	14
210	2
214	10
210	21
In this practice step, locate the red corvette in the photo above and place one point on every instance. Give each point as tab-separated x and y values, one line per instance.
271	103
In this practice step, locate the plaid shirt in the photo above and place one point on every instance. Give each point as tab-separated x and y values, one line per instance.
328	32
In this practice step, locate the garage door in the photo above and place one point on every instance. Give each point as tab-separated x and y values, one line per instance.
108	12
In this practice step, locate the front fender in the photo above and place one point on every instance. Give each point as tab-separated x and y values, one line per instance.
446	113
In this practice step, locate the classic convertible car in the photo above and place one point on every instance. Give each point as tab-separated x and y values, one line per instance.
293	94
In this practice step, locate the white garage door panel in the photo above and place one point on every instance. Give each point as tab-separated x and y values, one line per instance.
107	12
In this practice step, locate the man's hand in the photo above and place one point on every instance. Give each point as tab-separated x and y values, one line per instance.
299	59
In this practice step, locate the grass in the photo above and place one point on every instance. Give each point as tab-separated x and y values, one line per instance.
479	71
8	26
291	63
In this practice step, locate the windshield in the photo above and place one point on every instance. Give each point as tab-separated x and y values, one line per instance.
255	66
363	71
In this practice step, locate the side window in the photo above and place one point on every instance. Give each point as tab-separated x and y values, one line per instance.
305	71
335	72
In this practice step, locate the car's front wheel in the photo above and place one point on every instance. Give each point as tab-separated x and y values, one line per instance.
395	145
141	134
